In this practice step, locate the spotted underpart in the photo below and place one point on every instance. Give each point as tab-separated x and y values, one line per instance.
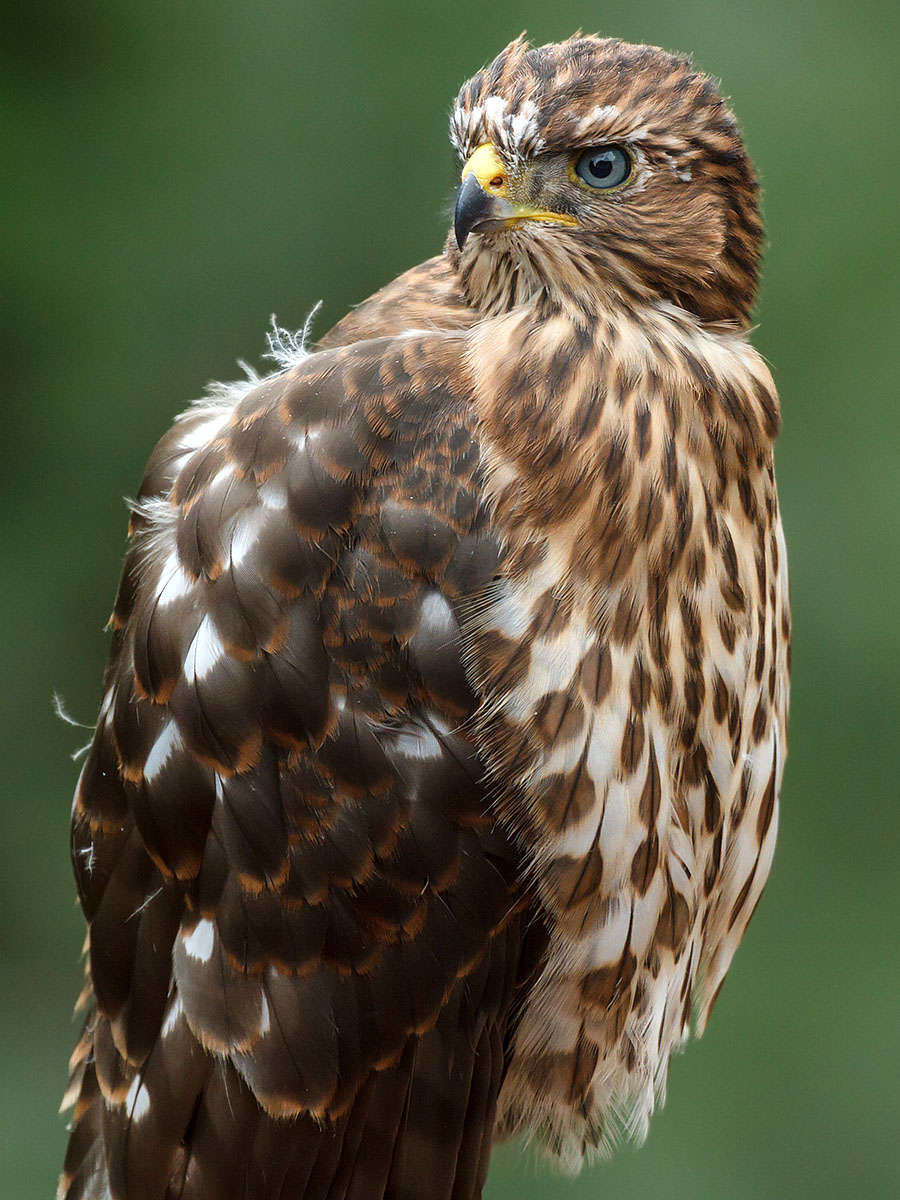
635	681
436	773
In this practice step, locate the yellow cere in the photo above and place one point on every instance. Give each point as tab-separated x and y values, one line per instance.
489	169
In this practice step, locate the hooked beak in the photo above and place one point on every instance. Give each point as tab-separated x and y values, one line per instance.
483	203
478	209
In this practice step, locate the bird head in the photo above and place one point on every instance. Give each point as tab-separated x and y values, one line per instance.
594	167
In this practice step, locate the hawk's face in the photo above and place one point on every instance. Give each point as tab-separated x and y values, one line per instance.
596	166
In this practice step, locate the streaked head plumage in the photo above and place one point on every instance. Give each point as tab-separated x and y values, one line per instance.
685	227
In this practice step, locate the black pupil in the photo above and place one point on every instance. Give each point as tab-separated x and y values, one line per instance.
601	165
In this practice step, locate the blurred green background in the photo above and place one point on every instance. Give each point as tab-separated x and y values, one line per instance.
176	172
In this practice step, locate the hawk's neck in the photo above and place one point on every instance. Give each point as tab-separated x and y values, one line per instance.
595	423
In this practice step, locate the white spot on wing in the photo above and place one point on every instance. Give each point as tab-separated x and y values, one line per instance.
204	651
243	539
175	1010
203	432
225	474
436	611
174	581
138	1100
199	943
264	1018
418	741
161	750
272	493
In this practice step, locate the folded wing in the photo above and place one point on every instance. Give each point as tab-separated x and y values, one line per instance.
305	924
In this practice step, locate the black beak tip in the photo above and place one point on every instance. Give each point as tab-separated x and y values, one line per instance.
473	204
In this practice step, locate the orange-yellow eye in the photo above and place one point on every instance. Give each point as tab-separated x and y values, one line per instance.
603	166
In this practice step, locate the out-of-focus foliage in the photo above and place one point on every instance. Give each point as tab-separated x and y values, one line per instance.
175	172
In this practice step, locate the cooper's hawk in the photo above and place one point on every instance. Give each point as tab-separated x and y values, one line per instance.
436	773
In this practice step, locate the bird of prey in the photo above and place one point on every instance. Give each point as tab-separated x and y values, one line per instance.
436	772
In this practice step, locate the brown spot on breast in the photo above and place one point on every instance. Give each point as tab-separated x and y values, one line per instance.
500	661
639	686
759	665
602	986
651	794
643	430
574	880
672	406
595	673
559	717
743	894
735	726
674	921
720	699
662	687
773	551
563	800
694	693
687	731
648	513
669	465
632	744
713	866
552	616
697	565
584	1064
747	498
644	863
627	618
694	765
712	808
760	721
712	521
730	586
690	621
766	808
587	412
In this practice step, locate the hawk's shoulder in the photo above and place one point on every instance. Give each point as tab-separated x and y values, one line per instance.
427	296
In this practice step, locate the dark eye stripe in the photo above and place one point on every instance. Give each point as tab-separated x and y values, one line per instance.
603	166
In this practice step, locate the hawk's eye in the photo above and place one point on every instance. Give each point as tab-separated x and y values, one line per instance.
603	166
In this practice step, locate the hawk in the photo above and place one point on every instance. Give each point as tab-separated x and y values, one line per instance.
436	773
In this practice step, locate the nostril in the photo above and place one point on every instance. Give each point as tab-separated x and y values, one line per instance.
497	182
